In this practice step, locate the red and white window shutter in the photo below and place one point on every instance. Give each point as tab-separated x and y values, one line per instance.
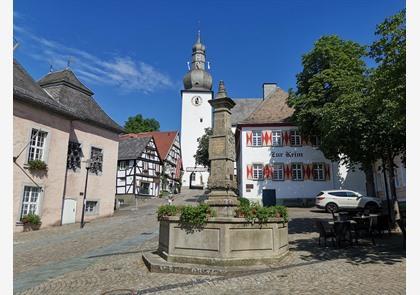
267	138
268	172
248	138
249	174
327	171
286	137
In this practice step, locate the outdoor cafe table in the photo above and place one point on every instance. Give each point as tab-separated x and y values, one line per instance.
363	220
341	231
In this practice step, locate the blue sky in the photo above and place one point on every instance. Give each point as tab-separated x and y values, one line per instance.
133	54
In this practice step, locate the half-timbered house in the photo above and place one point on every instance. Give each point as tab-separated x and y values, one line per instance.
169	149
139	169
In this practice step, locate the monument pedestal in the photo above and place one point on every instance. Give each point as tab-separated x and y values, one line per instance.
222	241
223	202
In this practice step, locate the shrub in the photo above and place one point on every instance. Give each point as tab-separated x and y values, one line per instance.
37	165
243	202
195	216
167	210
31	218
254	212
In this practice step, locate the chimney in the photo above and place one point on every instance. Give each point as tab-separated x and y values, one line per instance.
268	88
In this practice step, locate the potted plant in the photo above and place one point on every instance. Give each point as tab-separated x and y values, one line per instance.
31	221
37	165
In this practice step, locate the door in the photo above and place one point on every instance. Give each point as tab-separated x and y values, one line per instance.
269	197
69	211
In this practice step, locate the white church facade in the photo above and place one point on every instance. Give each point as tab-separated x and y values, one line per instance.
196	116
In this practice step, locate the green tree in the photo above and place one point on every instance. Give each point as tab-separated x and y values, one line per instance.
329	102
388	94
202	154
138	124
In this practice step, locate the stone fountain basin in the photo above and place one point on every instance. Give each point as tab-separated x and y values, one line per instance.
223	241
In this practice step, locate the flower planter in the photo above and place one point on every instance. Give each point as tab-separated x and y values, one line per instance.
30	227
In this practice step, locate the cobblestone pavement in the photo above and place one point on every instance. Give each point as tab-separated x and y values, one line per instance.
106	256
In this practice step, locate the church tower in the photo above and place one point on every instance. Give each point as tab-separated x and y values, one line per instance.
196	115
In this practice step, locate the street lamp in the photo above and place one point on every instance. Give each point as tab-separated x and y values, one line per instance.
88	166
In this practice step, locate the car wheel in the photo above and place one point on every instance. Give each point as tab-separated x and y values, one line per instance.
371	206
331	208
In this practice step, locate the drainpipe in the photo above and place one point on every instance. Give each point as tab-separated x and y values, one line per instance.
65	182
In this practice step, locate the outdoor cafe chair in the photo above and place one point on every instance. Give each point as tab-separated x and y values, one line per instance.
325	233
367	224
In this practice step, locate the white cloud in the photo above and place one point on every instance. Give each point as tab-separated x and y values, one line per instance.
121	71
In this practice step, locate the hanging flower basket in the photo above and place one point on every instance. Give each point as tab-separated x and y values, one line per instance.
37	165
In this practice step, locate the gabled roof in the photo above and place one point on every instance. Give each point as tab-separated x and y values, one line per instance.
132	148
273	109
26	89
163	140
243	108
65	88
64	76
62	93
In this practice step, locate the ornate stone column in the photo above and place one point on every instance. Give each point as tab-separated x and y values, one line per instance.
222	182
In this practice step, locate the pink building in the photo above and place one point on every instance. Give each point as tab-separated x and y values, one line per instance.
57	121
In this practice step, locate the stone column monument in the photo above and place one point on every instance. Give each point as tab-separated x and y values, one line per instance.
224	240
222	182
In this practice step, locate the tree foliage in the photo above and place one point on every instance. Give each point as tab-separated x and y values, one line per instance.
388	86
202	154
358	113
138	124
330	98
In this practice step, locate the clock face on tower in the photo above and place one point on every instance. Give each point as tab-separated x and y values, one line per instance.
196	100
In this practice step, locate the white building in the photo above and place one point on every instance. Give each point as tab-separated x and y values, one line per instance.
196	115
275	163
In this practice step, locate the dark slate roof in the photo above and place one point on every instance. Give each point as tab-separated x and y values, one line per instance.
132	148
64	87
273	109
67	96
65	76
243	108
26	89
163	140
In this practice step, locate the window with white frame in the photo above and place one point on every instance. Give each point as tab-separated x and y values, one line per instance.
315	141
278	171
96	157
256	138
37	145
297	171
318	171
295	139
30	201
397	178
276	138
193	176
257	171
92	207
122	165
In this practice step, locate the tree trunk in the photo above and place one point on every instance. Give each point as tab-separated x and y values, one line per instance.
370	183
391	166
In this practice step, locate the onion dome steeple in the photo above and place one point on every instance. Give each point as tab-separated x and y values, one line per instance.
197	78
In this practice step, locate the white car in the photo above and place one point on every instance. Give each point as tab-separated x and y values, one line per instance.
335	200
